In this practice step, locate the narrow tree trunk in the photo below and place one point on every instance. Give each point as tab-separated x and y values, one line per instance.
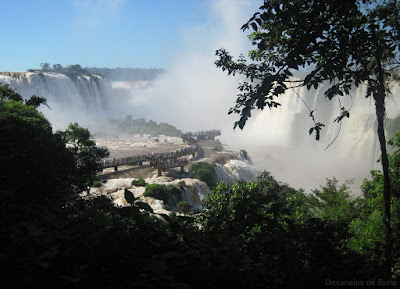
379	93
380	112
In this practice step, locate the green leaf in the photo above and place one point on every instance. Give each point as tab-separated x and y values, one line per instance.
144	206
166	218
129	197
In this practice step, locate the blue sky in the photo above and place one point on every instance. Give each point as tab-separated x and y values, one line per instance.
109	33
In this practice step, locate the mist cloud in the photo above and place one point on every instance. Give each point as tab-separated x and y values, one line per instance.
194	94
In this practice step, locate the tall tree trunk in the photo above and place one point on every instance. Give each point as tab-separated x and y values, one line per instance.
379	93
380	113
379	97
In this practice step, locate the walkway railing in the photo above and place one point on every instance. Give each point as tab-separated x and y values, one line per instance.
161	161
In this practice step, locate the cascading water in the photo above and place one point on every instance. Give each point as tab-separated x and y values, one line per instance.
236	170
279	140
83	99
60	90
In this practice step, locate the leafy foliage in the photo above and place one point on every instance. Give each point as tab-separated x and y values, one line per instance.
157	191
204	172
289	238
52	165
170	194
140	182
32	156
183	207
368	232
6	93
87	156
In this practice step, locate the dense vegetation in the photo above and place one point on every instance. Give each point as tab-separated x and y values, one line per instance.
260	234
141	126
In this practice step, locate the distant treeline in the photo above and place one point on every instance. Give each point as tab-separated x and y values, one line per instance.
72	71
114	74
141	126
127	74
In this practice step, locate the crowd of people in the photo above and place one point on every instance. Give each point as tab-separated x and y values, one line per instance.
212	132
174	156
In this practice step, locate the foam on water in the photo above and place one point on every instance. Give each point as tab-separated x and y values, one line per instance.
236	170
193	192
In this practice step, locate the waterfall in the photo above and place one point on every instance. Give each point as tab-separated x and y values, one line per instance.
83	99
61	91
280	142
236	170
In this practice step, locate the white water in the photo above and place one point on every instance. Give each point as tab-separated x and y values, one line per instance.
236	170
194	191
83	100
278	140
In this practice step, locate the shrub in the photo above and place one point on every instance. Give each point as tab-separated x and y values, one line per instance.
181	185
204	172
168	194
139	183
96	184
183	207
157	191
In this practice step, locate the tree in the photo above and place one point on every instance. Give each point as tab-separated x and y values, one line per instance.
45	66
345	43
86	154
58	68
36	159
33	159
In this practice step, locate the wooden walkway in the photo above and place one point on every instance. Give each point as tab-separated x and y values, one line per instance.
203	134
163	161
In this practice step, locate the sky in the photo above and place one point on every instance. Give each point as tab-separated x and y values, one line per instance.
111	33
